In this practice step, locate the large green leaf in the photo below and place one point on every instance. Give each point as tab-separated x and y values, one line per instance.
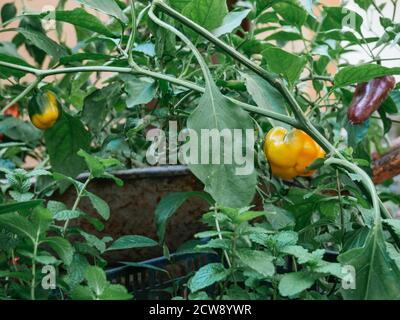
81	18
230	185
282	62
7	72
207	275
134	241
260	261
168	206
17	129
377	276
295	282
63	141
96	279
12	207
115	292
139	90
362	73
264	95
62	247
99	204
8	11
179	4
338	17
291	11
43	42
207	13
109	7
18	224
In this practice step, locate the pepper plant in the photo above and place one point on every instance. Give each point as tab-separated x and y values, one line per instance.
206	67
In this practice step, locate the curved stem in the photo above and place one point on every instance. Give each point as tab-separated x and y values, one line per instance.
366	181
274	80
192	47
140	71
22	94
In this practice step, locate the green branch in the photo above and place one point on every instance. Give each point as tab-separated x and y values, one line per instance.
139	71
278	84
274	80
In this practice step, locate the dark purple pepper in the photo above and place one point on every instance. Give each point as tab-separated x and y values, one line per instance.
368	97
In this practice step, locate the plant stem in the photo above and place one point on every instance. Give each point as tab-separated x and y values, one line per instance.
35	247
139	71
77	200
274	80
365	180
339	190
228	261
278	84
22	94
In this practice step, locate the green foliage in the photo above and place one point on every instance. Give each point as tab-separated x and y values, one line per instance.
120	80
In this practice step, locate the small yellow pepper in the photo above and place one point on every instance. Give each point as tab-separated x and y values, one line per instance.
290	153
44	110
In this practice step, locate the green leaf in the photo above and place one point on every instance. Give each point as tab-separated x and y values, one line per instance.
291	11
82	293
207	13
168	206
17	129
264	95
42	42
46	260
109	7
377	276
134	241
63	141
115	292
99	204
356	133
96	279
231	21
362	73
99	104
8	11
56	206
18	224
8	72
338	17
295	283
364	4
41	219
230	185
260	261
26	276
299	252
81	18
279	218
62	247
281	62
94	241
207	275
179	4
139	90
67	215
20	206
395	224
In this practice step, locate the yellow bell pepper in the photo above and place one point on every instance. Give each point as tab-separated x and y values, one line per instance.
290	153
44	110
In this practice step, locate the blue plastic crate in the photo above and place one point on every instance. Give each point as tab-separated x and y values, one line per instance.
151	284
